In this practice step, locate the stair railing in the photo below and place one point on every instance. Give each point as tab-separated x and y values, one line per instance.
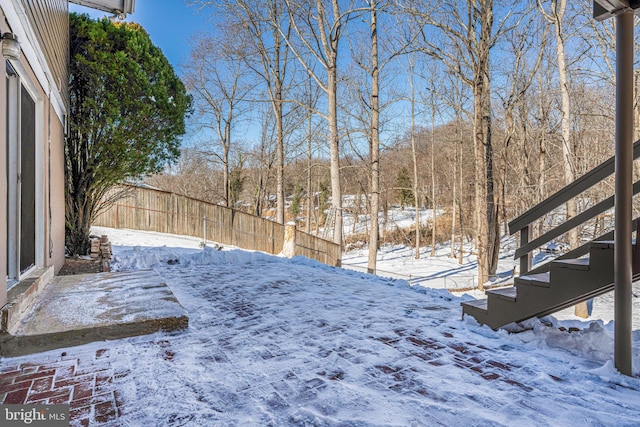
524	222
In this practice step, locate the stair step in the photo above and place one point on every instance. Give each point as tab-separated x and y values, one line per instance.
603	244
565	283
507	294
574	264
540	279
479	303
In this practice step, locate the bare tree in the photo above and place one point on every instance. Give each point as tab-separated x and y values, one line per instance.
312	96
434	197
519	77
467	29
318	27
555	16
372	55
192	176
374	148
215	77
262	160
414	156
268	57
455	97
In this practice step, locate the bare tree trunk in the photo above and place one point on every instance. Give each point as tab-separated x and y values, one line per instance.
542	150
309	175
460	187
416	192
323	40
275	71
334	154
280	217
434	203
542	165
558	8
263	23
470	33
225	174
493	208
483	151
375	143
319	214
334	148
569	175
481	208
453	202
461	251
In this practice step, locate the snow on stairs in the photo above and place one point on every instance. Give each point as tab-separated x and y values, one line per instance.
566	283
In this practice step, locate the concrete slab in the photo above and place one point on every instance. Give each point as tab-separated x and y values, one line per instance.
74	310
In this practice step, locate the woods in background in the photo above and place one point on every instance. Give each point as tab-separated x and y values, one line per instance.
479	109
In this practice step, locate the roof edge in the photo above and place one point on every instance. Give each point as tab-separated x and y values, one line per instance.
113	6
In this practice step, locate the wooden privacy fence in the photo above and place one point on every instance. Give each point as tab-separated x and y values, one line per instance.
165	212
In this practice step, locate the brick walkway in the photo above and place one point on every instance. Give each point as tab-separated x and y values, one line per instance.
91	387
269	345
88	385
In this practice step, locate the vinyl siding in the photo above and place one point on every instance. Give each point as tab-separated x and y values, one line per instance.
50	21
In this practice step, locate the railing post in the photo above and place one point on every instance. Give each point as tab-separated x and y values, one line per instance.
623	193
525	260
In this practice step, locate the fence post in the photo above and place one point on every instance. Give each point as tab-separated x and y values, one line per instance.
204	231
174	215
289	245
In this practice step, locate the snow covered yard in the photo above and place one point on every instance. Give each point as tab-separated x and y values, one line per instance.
440	271
274	341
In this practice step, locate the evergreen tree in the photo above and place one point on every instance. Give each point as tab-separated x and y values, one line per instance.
405	188
127	112
297	198
236	183
323	198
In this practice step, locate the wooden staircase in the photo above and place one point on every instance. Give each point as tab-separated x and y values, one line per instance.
582	274
568	282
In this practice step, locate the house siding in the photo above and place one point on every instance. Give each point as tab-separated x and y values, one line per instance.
42	26
50	21
3	177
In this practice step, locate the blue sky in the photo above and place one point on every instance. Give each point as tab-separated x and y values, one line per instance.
170	23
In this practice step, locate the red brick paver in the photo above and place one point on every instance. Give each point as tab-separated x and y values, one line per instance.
87	386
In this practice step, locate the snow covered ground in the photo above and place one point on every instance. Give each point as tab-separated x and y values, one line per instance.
439	271
276	341
396	218
444	272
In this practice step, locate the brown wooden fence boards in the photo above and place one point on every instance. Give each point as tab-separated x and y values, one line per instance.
155	210
319	249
